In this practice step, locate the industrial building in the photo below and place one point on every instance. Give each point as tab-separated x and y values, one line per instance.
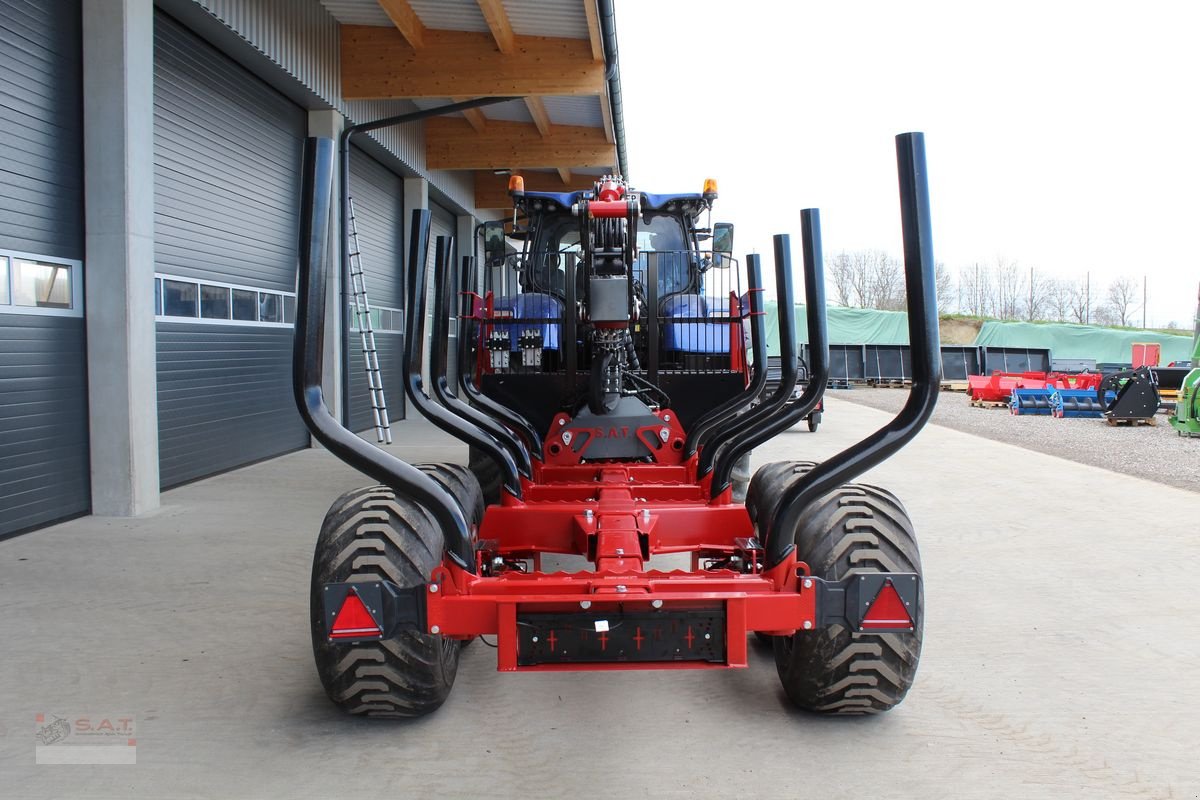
148	239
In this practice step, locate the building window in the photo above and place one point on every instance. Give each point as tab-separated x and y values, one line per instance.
214	302
179	299
383	319
270	307
39	285
36	284
245	305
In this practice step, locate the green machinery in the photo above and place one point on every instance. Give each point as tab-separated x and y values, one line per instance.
1186	419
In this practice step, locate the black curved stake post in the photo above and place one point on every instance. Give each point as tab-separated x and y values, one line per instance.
705	428
443	282
308	368
818	341
468	332
414	318
923	338
726	438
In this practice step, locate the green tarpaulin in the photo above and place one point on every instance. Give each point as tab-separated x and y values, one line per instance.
846	326
866	326
1105	345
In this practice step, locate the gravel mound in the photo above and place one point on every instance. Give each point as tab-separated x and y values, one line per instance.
1154	452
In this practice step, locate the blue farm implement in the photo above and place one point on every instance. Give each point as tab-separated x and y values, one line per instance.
1030	401
1066	403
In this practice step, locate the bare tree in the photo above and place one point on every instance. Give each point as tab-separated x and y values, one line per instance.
1080	302
1106	314
868	279
1037	299
1010	289
946	292
975	290
1058	299
1122	300
888	289
842	273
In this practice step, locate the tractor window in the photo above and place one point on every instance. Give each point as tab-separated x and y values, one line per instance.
660	233
558	247
661	237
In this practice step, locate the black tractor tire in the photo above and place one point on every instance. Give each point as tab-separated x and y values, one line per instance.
371	534
768	485
460	482
814	421
854	529
739	477
766	490
487	473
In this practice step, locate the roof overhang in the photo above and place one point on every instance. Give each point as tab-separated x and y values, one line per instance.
559	56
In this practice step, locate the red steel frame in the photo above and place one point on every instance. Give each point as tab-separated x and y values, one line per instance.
618	515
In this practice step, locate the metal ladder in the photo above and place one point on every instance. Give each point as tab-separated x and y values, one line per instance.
362	312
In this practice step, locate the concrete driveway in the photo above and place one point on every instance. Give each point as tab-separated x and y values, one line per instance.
1062	657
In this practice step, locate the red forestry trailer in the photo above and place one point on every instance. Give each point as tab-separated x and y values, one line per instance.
606	395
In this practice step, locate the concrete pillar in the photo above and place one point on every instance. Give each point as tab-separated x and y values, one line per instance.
328	124
118	142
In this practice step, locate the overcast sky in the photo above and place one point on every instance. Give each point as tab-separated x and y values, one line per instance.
1062	135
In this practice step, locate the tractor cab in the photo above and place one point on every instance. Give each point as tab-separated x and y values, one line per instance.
615	299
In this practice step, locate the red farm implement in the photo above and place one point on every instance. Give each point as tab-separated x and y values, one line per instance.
608	399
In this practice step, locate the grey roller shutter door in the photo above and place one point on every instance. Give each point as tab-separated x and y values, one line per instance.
44	472
378	195
227	151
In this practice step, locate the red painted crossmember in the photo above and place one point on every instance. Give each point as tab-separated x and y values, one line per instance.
353	620
887	610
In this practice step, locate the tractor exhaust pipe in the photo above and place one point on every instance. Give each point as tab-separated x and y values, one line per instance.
308	369
921	287
468	331
818	340
722	439
442	309
414	317
704	428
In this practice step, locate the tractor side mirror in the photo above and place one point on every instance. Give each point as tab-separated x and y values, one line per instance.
722	245
494	251
723	238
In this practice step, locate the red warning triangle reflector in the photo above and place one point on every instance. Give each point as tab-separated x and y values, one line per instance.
887	610
353	621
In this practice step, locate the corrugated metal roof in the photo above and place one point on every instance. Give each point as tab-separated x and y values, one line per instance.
357	12
565	20
450	15
512	111
581	110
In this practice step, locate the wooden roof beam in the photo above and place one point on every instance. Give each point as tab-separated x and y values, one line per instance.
537	110
380	64
473	115
406	21
498	24
452	143
593	23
